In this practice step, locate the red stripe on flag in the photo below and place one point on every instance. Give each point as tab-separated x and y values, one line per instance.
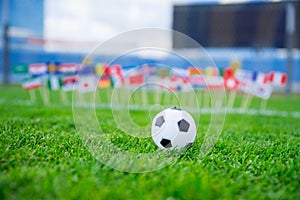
284	79
71	79
33	87
136	79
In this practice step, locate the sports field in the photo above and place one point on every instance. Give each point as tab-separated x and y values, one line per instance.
257	156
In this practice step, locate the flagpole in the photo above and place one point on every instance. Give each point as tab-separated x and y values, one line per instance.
231	99
191	99
168	97
45	91
120	95
45	97
247	100
98	91
32	96
263	104
47	94
183	98
201	97
157	96
151	96
108	95
64	98
180	98
144	96
126	95
206	98
80	97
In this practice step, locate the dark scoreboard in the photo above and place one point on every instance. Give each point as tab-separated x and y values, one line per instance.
255	25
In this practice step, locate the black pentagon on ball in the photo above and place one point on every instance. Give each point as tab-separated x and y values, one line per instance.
183	125
175	108
166	143
159	121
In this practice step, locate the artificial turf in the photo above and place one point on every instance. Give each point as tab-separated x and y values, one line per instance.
257	156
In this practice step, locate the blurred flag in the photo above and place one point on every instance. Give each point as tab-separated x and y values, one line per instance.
68	68
262	78
214	82
180	72
197	82
69	79
278	78
32	83
85	70
54	82
246	80
100	68
194	71
69	82
262	85
163	72
230	82
148	70
178	83
21	68
262	90
228	72
37	69
87	83
104	82
211	71
115	72
117	80
245	75
136	79
174	83
52	67
235	64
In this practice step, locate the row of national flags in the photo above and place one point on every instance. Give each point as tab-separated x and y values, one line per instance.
39	69
253	82
55	76
73	76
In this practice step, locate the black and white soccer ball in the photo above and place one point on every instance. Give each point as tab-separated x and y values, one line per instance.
173	128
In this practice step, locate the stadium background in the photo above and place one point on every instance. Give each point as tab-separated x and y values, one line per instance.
27	44
44	155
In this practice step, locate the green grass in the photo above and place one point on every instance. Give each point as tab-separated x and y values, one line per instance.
42	157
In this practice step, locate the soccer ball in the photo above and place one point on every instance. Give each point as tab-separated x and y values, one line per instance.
173	128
